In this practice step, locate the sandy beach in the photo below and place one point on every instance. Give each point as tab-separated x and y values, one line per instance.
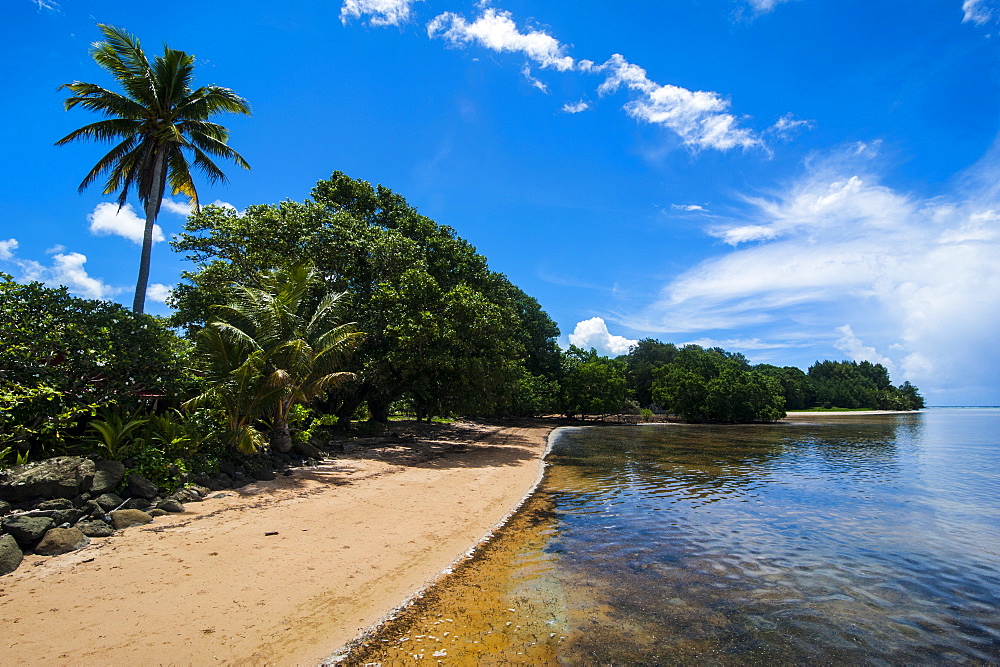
282	572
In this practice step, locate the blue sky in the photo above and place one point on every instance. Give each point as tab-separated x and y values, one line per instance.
796	180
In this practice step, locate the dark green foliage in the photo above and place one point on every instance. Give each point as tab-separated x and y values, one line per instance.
592	384
849	384
63	358
644	358
716	386
442	330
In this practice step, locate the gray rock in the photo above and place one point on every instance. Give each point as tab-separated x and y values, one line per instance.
93	510
107	477
58	477
56	504
157	512
4	507
81	499
262	475
240	480
136	504
140	487
27	529
170	505
60	541
70	516
108	501
10	554
95	528
227	468
220	482
186	495
126	518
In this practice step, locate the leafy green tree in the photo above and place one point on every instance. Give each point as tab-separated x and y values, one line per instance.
441	329
272	348
717	386
592	384
63	358
157	121
643	358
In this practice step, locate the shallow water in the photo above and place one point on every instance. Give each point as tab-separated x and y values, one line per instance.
857	540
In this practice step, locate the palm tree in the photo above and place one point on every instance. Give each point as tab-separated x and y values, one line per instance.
158	121
274	347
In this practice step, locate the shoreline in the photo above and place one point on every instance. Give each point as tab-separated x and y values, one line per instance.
282	572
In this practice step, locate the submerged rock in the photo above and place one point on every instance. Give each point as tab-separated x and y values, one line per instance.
58	477
60	541
10	554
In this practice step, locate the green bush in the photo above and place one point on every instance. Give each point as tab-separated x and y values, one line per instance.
63	358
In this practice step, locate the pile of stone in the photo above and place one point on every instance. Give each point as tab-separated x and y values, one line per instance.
56	505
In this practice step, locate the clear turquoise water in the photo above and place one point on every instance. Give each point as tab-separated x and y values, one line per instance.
868	540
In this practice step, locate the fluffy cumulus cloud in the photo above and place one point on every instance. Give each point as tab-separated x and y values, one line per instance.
379	12
67	269
158	292
877	273
108	219
7	249
593	333
700	118
497	31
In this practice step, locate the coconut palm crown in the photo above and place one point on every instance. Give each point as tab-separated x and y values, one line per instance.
160	126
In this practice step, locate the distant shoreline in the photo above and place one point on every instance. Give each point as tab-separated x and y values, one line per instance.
846	413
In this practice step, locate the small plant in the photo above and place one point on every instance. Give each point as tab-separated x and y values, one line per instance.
646	414
114	433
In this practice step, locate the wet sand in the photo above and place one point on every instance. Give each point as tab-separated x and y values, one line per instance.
355	536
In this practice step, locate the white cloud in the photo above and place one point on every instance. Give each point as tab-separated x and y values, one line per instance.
852	346
690	208
108	219
763	6
185	209
158	292
788	125
976	11
7	248
50	5
526	71
575	107
739	344
593	333
59	247
67	269
916	278
700	118
382	12
497	31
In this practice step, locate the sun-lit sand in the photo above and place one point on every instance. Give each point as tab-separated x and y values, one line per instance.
354	537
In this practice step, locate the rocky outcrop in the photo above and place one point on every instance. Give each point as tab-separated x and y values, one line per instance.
95	528
27	530
10	554
107	477
140	487
60	541
59	477
126	518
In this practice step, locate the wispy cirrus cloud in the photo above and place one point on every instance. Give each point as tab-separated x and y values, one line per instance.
379	12
978	12
877	273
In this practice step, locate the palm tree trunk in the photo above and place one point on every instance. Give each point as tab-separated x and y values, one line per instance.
152	210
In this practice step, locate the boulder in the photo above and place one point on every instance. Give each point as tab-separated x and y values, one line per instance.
27	529
70	516
4	507
170	505
136	504
157	512
56	504
240	480
126	518
227	468
107	477
219	482
185	495
10	554
305	449
95	528
58	477
108	501
61	541
140	487
262	475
